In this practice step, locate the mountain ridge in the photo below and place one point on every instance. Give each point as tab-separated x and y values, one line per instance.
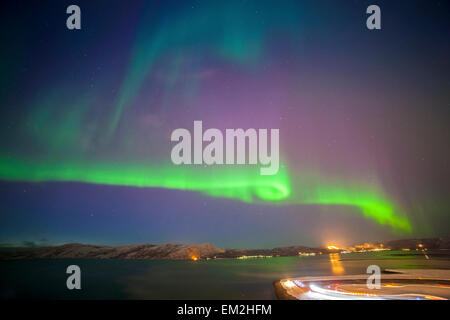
179	251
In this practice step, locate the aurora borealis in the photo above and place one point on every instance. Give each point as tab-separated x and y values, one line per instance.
86	118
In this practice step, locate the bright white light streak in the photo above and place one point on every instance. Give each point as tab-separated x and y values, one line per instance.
337	295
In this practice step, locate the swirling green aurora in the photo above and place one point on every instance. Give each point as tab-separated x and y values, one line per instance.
236	183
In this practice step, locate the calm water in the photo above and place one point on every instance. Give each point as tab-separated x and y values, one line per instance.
213	279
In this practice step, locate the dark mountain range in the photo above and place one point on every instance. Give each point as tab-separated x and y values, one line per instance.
177	251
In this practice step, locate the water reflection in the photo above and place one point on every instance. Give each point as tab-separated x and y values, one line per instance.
336	264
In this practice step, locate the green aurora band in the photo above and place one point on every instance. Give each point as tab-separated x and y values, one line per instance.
229	29
241	183
226	31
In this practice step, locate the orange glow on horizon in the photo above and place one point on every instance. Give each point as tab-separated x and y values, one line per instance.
194	256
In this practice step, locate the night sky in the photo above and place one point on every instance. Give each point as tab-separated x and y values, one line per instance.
86	117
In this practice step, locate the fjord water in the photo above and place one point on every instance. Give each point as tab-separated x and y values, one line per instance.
212	279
